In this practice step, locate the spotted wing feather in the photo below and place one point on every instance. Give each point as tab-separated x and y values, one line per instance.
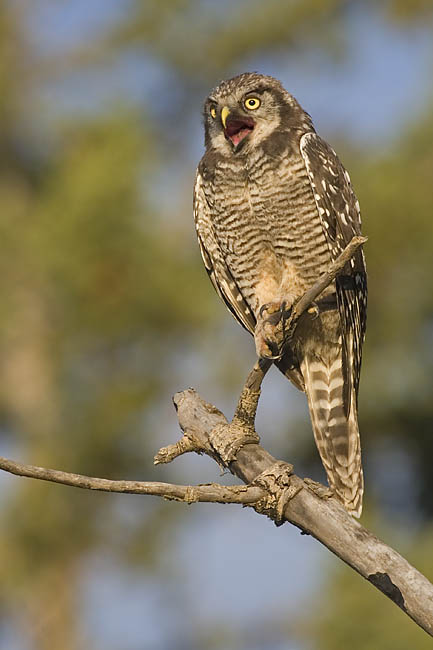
340	215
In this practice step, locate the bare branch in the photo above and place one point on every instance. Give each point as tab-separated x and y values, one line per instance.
211	492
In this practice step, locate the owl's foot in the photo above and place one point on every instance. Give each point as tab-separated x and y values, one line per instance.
314	310
274	312
269	332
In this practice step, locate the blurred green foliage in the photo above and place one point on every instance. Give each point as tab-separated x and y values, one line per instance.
99	291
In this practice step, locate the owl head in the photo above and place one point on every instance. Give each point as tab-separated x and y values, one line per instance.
243	112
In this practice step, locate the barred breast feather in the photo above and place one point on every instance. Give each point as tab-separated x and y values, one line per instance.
214	261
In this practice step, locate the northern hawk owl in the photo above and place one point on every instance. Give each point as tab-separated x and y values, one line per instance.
273	207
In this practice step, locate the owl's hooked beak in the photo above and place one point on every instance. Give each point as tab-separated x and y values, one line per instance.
224	115
236	128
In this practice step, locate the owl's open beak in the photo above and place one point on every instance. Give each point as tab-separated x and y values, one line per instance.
236	127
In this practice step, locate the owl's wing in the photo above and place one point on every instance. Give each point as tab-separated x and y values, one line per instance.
338	209
214	261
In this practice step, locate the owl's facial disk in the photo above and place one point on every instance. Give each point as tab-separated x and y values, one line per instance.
241	113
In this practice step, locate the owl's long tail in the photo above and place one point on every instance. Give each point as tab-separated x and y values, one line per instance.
336	432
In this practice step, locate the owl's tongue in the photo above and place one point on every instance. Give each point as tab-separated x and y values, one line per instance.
237	130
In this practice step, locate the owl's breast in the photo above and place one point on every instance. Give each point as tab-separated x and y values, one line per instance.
266	222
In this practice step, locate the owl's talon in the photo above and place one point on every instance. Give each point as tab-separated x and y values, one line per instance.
269	334
266	348
275	353
314	310
276	312
271	308
278	357
263	309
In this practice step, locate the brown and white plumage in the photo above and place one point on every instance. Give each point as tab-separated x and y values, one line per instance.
273	207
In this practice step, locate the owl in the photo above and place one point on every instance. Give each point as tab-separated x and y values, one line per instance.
273	208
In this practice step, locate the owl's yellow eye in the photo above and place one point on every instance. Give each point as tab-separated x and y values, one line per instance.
213	111
251	103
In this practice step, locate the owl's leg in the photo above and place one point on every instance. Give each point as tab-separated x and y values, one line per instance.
269	332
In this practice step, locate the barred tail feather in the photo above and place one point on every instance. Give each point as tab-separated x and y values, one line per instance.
335	429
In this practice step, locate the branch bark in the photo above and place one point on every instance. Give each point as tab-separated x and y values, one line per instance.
209	493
